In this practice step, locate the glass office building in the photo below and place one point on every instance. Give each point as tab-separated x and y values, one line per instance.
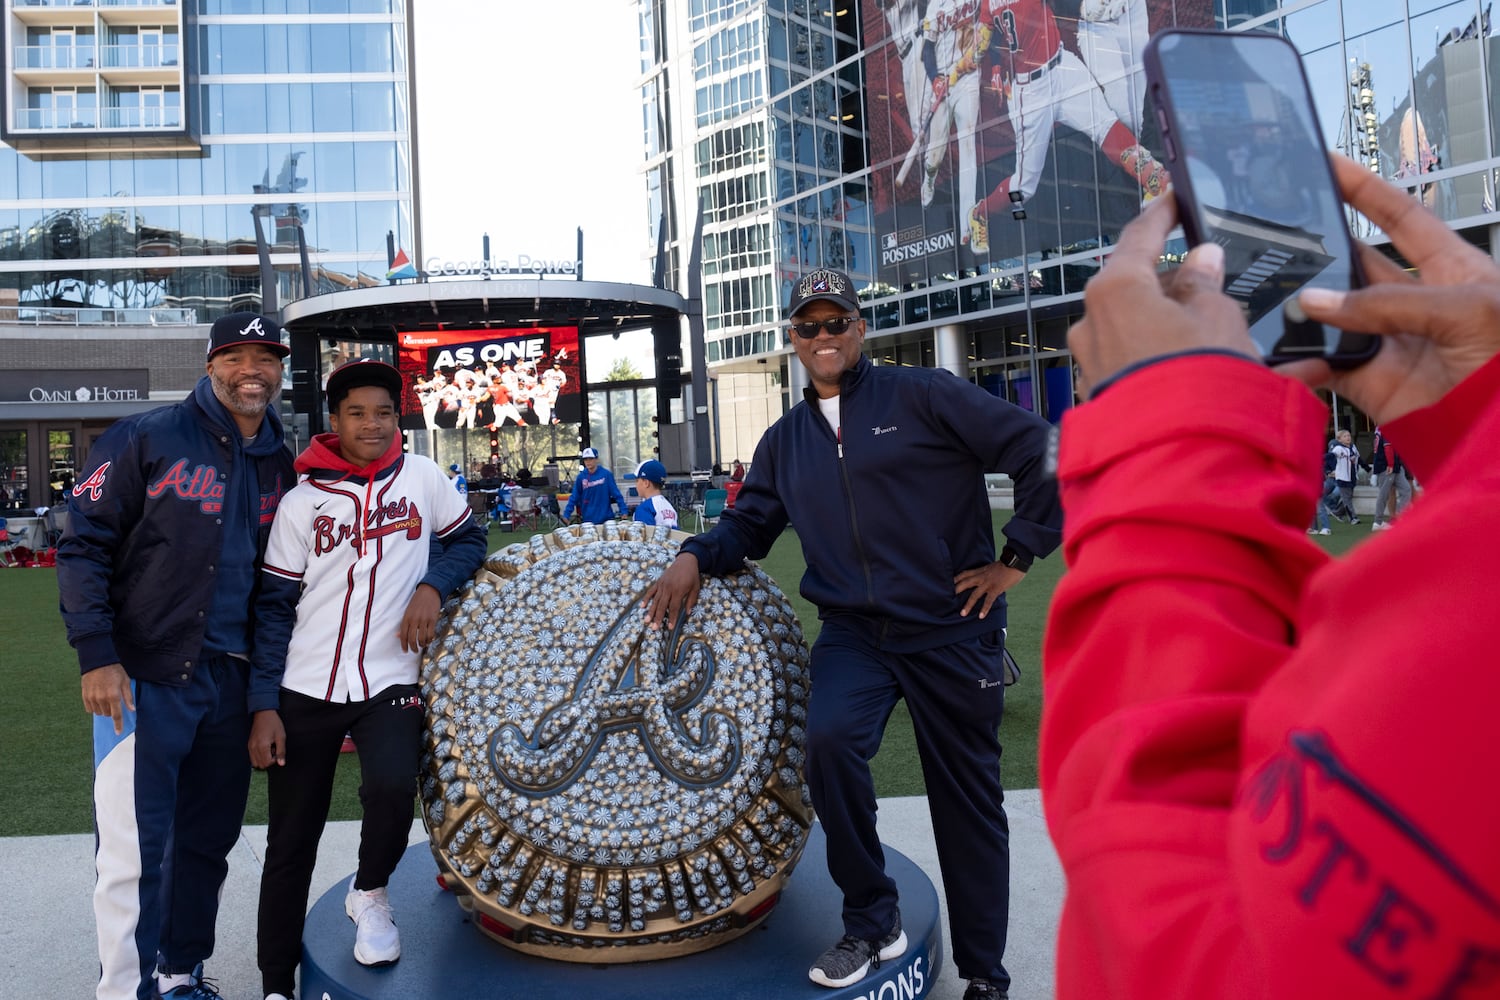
164	163
788	134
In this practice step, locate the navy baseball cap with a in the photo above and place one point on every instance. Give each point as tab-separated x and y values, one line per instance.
653	471
589	453
360	372
245	328
824	285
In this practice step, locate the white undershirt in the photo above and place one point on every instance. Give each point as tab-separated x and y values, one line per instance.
829	407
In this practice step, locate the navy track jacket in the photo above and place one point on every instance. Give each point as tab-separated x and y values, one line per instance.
892	509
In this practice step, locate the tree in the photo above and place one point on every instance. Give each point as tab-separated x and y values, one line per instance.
624	370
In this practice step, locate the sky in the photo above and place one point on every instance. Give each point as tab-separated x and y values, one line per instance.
528	127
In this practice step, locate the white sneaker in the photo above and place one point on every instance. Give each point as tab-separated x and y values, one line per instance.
1324	531
376	940
277	996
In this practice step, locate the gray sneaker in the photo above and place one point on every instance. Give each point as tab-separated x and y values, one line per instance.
848	961
983	989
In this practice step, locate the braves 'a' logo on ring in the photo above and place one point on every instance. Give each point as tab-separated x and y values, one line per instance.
654	696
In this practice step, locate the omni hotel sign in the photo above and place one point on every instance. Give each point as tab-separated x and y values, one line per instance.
82	388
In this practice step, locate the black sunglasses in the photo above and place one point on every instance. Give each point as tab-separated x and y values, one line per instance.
834	326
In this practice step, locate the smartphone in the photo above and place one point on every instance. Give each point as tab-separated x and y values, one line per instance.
1251	173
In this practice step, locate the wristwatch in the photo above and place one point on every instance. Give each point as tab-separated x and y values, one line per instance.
1015	559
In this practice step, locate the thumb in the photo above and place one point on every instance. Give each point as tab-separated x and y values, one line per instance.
1390	308
1202	270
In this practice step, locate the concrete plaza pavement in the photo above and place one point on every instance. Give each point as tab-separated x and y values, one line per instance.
47	927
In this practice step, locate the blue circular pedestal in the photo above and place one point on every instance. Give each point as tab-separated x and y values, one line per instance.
442	955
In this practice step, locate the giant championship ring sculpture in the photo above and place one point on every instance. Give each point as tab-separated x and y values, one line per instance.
600	792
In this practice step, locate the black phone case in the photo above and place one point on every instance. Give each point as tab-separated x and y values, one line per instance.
1361	347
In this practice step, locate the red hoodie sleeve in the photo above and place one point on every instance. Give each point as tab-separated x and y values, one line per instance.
1244	764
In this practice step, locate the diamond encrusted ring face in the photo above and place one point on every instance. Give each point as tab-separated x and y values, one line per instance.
600	792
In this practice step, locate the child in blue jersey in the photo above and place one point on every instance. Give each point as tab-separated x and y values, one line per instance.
654	508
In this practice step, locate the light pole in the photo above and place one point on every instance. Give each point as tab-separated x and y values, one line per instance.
1018	212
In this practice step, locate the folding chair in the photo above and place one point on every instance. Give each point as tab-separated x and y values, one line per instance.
54	523
711	508
523	509
548	514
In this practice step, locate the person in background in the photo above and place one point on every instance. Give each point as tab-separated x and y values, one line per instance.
594	492
460	483
737	472
158	571
362	554
654	508
1343	463
1255	757
1393	491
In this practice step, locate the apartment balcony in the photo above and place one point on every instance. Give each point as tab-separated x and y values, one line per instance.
140	57
89	129
52	57
93	3
35	119
119	65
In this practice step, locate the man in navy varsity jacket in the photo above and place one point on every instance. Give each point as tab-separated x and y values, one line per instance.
912	608
158	570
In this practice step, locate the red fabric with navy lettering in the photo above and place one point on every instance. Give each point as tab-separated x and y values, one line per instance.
1270	774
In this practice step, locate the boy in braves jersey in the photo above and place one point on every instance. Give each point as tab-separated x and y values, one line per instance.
362	553
654	508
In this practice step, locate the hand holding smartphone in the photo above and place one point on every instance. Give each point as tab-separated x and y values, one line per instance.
1250	173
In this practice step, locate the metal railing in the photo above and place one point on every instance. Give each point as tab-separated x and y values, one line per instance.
49	118
163	117
54	56
26	315
140	56
94	3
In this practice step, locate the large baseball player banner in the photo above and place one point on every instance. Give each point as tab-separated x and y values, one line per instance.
972	100
468	379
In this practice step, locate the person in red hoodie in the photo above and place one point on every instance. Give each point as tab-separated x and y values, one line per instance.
362	554
1260	779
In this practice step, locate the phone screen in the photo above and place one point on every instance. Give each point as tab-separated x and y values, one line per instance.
1251	174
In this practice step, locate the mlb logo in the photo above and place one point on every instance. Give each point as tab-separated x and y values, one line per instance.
888	241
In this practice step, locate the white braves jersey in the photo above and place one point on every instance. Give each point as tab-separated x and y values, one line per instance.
359	552
951	26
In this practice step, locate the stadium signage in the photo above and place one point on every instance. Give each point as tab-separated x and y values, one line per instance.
525	264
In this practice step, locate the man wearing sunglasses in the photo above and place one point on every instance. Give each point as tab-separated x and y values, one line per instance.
911	599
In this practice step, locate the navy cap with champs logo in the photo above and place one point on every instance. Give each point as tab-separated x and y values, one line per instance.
824	285
245	328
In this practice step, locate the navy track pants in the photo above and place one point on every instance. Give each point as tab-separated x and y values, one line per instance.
956	696
169	798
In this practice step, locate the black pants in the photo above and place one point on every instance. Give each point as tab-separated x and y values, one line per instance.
387	733
956	697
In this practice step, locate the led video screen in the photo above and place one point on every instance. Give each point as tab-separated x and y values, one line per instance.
474	379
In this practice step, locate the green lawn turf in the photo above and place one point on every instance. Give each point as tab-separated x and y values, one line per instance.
47	757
